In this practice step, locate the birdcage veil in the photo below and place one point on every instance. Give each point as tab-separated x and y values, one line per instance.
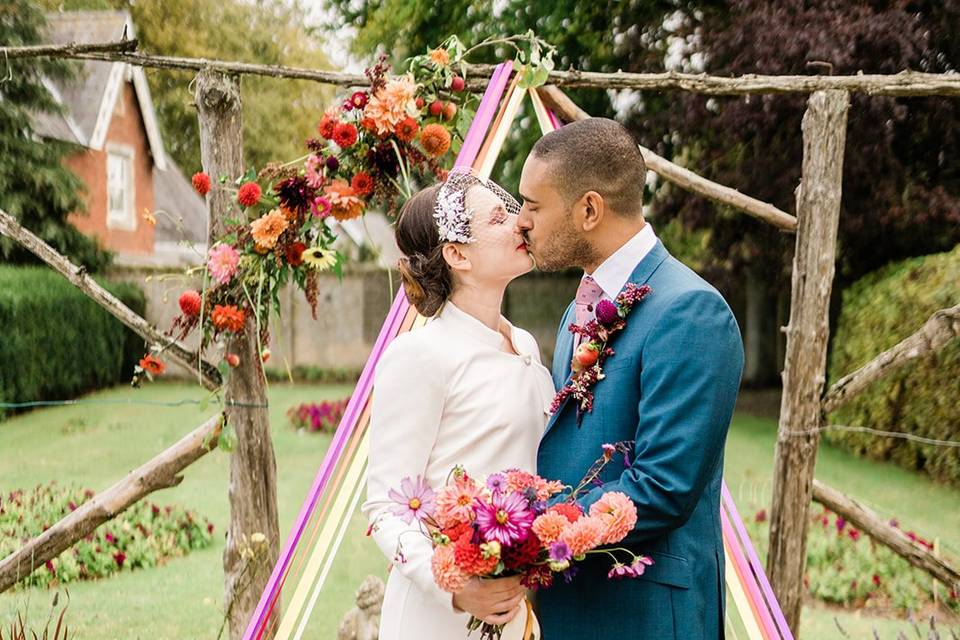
451	212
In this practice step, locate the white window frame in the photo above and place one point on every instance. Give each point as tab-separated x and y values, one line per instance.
125	218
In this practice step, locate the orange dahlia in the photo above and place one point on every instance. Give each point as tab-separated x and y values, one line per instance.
268	227
344	203
391	104
435	140
362	184
407	129
228	317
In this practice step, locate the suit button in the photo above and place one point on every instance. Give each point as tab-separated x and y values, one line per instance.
527	359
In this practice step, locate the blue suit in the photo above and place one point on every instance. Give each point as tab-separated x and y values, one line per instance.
670	388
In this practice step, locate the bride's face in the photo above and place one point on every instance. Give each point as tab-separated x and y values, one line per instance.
498	252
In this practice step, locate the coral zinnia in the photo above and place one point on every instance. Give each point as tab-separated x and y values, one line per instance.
319	258
201	182
320	207
249	194
190	302
445	571
268	227
228	317
152	365
618	514
470	558
407	129
505	519
344	202
362	183
435	140
345	135
222	261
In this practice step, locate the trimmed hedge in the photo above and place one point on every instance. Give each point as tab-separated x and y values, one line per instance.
56	343
923	397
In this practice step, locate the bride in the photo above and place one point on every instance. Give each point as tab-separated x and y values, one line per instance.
468	389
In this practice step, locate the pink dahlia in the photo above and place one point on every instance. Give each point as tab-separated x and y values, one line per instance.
222	261
617	513
446	573
583	535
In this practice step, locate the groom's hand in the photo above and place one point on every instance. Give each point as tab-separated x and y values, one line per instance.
494	601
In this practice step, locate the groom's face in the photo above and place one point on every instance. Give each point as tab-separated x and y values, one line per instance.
546	220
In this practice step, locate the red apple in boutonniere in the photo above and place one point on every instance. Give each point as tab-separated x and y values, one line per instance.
585	356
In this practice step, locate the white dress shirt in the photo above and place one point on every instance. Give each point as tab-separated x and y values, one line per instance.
614	272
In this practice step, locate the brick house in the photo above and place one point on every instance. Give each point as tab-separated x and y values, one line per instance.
109	115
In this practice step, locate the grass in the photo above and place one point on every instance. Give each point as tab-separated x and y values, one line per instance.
95	444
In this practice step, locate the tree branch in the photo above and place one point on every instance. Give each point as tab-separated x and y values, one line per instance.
208	375
887	535
68	50
942	327
564	107
160	472
905	83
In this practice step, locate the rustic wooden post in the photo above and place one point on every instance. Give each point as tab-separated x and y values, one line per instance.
253	467
818	211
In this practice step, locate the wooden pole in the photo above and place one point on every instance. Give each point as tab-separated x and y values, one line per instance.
818	211
160	472
939	330
881	531
253	467
568	111
207	374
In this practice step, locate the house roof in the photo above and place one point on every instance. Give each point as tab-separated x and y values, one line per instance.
175	198
89	98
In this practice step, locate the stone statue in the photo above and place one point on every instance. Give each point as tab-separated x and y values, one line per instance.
363	621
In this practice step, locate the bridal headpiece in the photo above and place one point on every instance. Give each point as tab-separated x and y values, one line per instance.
451	212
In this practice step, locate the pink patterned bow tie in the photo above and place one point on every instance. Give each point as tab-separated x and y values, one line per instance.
588	295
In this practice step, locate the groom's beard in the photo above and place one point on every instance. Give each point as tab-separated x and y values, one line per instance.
564	250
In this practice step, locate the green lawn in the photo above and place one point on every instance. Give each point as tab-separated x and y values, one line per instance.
94	445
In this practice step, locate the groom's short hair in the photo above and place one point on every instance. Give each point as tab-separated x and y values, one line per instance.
596	154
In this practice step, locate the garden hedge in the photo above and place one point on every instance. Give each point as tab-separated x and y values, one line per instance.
923	397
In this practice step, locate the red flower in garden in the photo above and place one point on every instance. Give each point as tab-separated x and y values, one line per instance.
190	303
228	317
294	254
249	194
152	365
326	126
854	534
407	129
761	516
362	183
876	580
345	135
201	182
119	558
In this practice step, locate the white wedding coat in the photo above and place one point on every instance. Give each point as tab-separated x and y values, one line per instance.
446	394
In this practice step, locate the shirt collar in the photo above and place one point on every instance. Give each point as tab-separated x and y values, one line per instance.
614	272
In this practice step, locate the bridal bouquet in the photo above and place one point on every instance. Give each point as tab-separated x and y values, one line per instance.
507	525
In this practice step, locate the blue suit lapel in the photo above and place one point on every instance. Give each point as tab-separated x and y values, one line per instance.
641	274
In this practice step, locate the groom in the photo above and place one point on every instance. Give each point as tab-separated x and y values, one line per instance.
669	391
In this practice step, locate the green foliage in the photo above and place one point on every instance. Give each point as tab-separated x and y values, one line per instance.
57	343
879	310
35	187
144	535
847	568
19	630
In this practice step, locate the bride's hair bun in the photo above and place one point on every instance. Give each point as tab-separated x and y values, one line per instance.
427	279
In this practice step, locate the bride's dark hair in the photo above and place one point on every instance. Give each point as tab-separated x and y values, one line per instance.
427	279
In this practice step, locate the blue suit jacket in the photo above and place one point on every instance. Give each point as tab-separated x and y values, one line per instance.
670	388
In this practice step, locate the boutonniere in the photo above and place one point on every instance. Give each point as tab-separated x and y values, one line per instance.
588	358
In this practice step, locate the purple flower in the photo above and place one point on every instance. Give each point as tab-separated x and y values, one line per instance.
570	573
559	551
497	482
607	312
417	500
632	570
506	519
841	523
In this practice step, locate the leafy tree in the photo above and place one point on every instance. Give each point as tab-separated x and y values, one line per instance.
35	187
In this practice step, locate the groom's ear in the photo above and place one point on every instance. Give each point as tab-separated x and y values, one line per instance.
592	210
455	257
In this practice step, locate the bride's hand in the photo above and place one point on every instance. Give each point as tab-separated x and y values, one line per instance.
493	601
